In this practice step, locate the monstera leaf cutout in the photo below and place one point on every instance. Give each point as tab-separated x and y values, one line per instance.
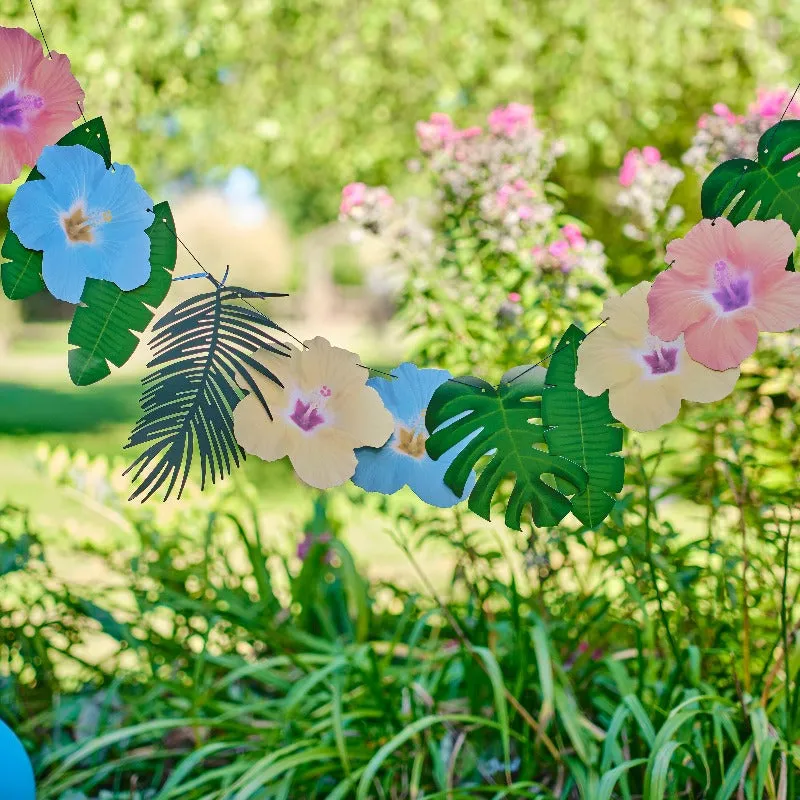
22	275
765	189
503	419
578	427
103	325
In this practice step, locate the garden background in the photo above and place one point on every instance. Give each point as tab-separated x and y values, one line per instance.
191	649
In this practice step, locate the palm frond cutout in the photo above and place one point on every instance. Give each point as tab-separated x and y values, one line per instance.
502	420
578	427
187	402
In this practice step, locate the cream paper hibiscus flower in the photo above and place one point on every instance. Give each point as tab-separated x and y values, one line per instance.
324	412
646	377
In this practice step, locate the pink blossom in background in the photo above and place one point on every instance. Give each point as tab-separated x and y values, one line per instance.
725	285
38	101
511	118
384	198
503	195
537	252
525	212
514	297
574	236
771	103
353	195
627	173
559	249
438	131
722	110
651	155
468	133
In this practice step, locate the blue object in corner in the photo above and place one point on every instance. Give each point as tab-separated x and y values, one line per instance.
16	773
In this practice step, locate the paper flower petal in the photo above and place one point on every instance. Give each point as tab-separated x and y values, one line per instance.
645	383
254	431
403	460
88	221
722	343
323	413
726	284
645	406
38	100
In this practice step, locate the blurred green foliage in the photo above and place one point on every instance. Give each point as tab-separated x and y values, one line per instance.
312	94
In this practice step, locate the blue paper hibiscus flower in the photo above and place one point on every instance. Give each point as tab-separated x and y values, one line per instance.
88	221
403	459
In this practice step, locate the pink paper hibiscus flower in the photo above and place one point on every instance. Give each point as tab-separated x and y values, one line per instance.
725	285
38	101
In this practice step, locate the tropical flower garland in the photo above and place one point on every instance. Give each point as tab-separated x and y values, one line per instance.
82	229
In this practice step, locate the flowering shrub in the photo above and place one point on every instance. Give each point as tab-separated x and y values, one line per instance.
647	183
723	135
492	257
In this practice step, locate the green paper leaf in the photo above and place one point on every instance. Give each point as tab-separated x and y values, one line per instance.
103	325
578	428
21	275
765	189
503	419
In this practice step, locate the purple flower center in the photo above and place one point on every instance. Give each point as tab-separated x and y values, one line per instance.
662	360
306	416
731	294
13	106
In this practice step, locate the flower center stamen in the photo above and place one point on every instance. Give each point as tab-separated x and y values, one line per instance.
307	416
411	441
77	226
732	293
14	106
662	359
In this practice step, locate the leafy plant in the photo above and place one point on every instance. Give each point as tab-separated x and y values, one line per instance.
202	344
765	189
579	427
502	419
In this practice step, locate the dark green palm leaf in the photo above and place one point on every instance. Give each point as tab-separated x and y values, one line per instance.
188	400
501	420
769	188
578	427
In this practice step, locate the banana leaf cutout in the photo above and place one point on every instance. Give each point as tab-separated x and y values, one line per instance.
21	275
578	427
769	188
187	403
505	419
103	325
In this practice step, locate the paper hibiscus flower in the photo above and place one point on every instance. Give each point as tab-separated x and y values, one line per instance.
324	412
89	222
38	100
646	377
726	284
403	459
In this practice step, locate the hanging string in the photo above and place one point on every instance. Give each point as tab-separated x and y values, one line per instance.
33	8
